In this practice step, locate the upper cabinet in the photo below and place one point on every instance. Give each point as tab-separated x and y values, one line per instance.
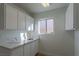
10	17
21	20
29	23
71	22
14	18
69	18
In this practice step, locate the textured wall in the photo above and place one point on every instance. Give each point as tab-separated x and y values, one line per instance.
60	42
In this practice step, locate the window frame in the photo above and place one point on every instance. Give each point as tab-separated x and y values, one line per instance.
46	25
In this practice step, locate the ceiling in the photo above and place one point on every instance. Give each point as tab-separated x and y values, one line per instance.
37	7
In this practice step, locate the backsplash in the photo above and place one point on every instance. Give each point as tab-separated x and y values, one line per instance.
10	36
13	36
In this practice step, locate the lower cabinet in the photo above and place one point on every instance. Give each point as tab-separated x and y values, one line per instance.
36	49
32	49
4	51
29	49
17	51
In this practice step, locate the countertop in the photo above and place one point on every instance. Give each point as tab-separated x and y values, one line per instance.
12	45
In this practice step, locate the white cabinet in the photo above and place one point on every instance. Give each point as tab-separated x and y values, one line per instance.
29	23
71	22
31	49
11	17
21	20
8	17
26	50
69	18
24	21
34	48
17	51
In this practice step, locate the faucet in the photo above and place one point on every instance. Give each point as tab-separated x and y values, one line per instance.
15	38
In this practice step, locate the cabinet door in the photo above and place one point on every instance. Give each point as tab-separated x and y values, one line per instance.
32	49
32	24
69	18
29	23
17	51
21	20
36	46
27	50
11	17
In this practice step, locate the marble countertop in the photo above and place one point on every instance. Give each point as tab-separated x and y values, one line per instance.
12	45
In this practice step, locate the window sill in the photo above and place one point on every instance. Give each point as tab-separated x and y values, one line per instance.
45	33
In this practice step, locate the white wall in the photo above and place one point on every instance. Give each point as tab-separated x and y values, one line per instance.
76	48
76	39
60	42
10	35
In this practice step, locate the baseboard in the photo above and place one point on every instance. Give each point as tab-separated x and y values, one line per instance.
49	54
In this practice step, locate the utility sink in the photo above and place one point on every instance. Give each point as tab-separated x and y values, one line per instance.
12	42
30	39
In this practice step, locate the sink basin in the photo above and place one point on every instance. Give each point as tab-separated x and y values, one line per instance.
30	39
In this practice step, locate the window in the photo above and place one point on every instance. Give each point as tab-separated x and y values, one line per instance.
49	26
45	26
42	26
